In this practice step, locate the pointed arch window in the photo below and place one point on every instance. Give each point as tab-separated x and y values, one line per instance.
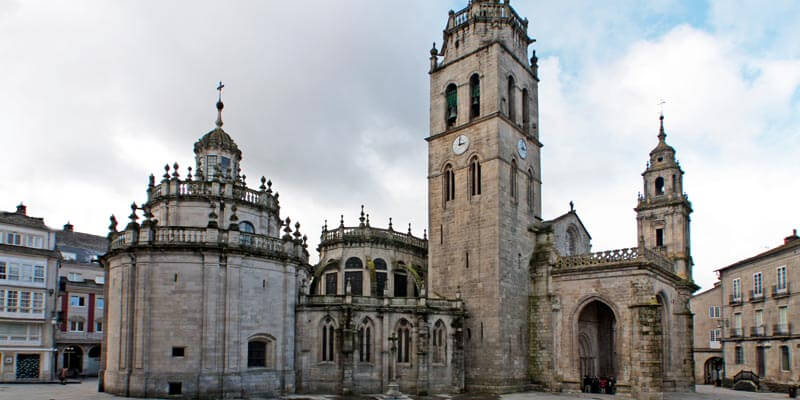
365	342
439	343
525	110
531	193
510	95
474	177
404	342
513	180
449	183
474	96
451	96
328	340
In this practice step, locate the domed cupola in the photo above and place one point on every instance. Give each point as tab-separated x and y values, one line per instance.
216	154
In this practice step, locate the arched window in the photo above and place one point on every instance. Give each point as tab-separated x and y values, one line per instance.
474	177
531	193
513	180
474	96
439	343
353	263
572	240
246	227
328	340
400	282
380	276
510	95
449	183
659	186
248	230
404	342
365	341
525	110
451	95
260	353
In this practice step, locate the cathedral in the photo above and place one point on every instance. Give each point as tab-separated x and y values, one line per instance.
211	294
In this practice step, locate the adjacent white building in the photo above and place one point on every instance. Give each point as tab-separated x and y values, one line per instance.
28	270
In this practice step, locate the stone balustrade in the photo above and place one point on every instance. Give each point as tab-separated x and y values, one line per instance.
222	188
362	234
488	12
210	237
619	256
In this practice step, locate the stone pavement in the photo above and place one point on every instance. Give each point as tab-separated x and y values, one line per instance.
87	390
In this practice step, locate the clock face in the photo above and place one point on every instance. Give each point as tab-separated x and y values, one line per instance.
460	144
522	148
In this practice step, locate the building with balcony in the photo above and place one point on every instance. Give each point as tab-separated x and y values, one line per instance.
81	301
757	331
28	271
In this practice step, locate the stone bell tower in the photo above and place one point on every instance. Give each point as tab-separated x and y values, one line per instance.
484	185
662	214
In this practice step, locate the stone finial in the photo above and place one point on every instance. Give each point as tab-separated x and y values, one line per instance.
263	186
367	220
269	186
244	180
189	176
325	225
571	206
297	234
425	234
175	173
166	171
361	218
341	221
151	181
305	241
390	224
276	196
434	52
113	226
133	215
288	230
409	228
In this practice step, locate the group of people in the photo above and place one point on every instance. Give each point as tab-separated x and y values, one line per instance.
601	384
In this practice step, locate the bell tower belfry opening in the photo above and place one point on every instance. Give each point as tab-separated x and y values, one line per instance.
484	184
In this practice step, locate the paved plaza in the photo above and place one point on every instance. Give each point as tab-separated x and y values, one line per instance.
87	390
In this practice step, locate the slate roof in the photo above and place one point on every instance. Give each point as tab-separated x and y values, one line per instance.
790	243
85	246
13	218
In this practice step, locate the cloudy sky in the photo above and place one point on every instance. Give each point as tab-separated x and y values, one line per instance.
329	99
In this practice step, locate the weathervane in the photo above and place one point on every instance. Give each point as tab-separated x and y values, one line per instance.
661	103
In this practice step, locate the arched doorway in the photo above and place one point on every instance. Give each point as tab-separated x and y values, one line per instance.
73	360
713	370
92	361
597	352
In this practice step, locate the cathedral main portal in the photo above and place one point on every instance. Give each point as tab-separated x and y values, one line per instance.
597	347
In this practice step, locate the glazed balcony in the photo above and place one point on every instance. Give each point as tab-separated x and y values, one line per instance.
782	330
780	292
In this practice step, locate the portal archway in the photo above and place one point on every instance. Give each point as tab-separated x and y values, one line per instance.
712	370
597	347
